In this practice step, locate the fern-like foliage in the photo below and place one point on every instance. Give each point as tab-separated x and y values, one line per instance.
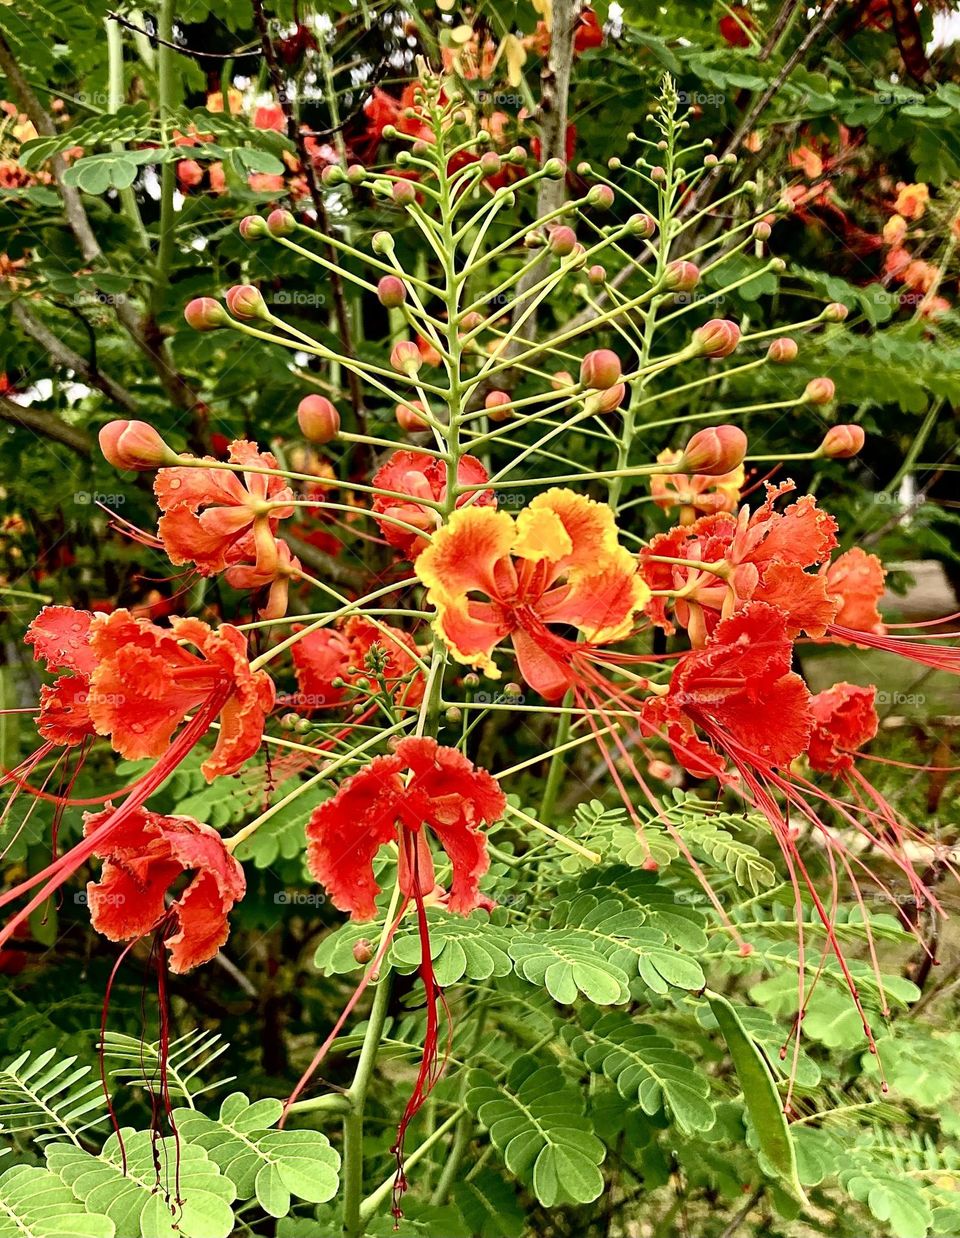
188	1066
48	1096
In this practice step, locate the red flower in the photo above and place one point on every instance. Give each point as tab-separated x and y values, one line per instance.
844	719
420	476
740	693
341	653
559	563
759	557
589	32
856	578
145	683
60	637
734	26
445	793
215	518
141	863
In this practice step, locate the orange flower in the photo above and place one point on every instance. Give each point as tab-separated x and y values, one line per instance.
895	230
911	200
559	562
856	578
695	494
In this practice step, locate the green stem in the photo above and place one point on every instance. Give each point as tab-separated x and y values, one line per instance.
128	199
353	1224
168	175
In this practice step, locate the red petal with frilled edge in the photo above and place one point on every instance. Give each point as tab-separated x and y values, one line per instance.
146	683
64	711
802	596
139	867
740	685
803	533
844	719
421	476
449	794
60	636
857	580
346	832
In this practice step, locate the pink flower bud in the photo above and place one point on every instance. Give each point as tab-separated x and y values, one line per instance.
836	311
134	445
403	193
356	174
717	338
253	227
641	225
601	369
714	451
205	314
783	351
563	241
762	230
405	357
842	442
597	274
245	301
318	419
494	404
490	163
601	197
471	321
819	391
363	950
391	291
609	400
682	276
660	769
281	223
407	418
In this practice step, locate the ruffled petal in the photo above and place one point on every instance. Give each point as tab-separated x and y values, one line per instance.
802	596
844	719
60	636
857	580
346	832
64	711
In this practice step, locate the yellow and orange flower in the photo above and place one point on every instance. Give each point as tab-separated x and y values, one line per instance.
559	562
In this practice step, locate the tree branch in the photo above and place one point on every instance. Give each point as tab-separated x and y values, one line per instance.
47	424
61	354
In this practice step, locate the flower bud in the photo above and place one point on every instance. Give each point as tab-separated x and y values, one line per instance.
407	418
205	314
332	175
714	451
563	241
382	243
836	311
660	769
783	351
561	379
516	155
403	193
609	400
405	357
490	163
245	301
658	174
253	227
554	169
356	174
842	442
717	338
134	445
494	404
601	369
601	197
641	225
682	276
762	230
819	391
281	223
470	322
391	291
318	419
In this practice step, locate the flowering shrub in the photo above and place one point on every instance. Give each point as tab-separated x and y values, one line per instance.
560	970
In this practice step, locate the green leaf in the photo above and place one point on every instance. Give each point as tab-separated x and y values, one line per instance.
645	1066
567	965
35	1203
536	1122
139	1204
47	1095
760	1095
471	948
271	1165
